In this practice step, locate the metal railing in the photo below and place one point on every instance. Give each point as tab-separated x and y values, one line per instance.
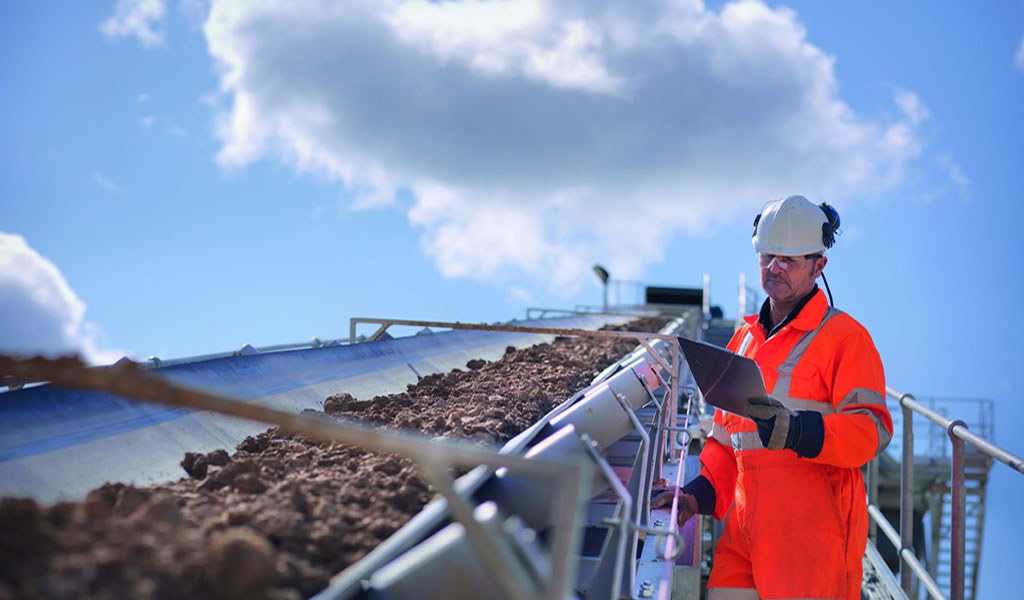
958	434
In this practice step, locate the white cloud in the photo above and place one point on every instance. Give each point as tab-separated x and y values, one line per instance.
136	18
1019	59
105	183
143	98
147	121
539	138
911	106
521	295
39	312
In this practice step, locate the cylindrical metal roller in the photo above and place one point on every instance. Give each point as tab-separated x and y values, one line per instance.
600	415
532	499
640	353
446	566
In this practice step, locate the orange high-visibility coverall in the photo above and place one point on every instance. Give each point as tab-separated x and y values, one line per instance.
797	527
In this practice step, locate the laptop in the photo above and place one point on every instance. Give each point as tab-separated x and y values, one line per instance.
726	379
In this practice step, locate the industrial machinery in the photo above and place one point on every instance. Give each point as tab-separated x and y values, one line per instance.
562	510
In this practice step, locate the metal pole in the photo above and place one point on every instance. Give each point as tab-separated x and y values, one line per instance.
907	496
906	555
957	542
706	303
873	497
1012	460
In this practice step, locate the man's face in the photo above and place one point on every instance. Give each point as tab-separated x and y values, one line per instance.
788	278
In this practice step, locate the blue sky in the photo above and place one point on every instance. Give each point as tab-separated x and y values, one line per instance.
186	177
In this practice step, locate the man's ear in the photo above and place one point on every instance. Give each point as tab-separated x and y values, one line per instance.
820	266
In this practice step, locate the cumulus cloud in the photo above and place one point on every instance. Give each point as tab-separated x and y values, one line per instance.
537	137
138	19
39	312
1019	59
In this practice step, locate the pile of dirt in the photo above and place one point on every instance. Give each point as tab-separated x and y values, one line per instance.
282	514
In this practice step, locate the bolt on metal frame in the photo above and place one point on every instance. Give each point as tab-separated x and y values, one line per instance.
958	434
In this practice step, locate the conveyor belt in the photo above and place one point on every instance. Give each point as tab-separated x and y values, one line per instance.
59	444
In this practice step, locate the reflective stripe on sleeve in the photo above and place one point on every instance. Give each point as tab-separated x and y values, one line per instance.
863	397
746	440
720	435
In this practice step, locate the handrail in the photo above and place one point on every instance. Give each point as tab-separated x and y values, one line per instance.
906	554
961	431
958	434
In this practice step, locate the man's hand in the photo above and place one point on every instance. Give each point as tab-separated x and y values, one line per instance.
687	504
781	428
773	421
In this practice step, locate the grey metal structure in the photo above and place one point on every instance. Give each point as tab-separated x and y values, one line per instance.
623	424
968	468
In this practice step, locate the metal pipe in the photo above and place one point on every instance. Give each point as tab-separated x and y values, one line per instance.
645	448
873	497
907	496
906	555
1011	460
959	516
706	300
674	374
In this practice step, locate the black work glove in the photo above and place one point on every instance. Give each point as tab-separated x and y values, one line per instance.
698	496
802	431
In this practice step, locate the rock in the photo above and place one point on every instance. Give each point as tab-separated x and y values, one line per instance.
195	465
250	483
129	499
241	564
162	508
218	457
339	403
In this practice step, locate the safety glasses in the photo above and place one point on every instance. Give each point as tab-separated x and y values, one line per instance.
783	263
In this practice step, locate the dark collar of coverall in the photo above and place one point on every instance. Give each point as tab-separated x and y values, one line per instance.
765	316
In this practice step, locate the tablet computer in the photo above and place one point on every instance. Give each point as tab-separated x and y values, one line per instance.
726	379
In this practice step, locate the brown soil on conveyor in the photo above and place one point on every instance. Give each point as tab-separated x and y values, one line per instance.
284	513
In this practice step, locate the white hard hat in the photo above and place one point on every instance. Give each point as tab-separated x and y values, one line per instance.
791	227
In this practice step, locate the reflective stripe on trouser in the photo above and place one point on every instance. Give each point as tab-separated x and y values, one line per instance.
797	529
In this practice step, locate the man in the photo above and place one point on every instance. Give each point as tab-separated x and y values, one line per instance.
787	479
